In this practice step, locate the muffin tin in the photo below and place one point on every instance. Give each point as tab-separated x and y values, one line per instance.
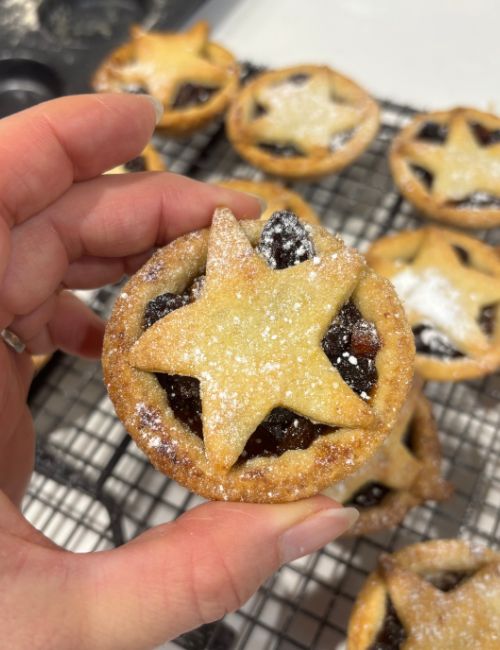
93	489
50	48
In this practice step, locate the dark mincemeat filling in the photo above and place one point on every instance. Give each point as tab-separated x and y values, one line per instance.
408	439
284	241
484	136
282	431
432	342
369	495
462	254
290	151
372	494
137	164
190	95
423	175
433	132
351	344
392	635
477	200
281	150
448	580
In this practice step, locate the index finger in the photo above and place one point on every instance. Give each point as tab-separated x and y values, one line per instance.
44	149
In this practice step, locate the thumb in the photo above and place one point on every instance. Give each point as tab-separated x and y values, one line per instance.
194	570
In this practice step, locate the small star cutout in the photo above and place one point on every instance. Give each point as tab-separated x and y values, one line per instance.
392	465
164	62
253	339
303	114
464	618
437	288
461	166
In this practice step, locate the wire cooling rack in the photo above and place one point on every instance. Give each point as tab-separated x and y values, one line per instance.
93	489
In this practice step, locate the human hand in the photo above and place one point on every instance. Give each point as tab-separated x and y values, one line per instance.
63	225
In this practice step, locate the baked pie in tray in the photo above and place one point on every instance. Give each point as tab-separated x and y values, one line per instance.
438	595
258	360
148	161
194	78
276	196
447	164
450	286
403	473
302	122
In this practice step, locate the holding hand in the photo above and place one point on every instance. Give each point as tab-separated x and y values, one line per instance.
64	226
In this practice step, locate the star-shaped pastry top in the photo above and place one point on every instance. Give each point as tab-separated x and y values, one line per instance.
437	289
461	166
304	114
464	618
253	339
393	464
164	62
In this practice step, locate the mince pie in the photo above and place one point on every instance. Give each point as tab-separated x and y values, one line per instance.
438	595
276	196
404	472
258	360
302	122
148	161
194	78
450	286
448	165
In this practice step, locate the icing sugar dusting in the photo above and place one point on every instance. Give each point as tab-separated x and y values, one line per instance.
432	296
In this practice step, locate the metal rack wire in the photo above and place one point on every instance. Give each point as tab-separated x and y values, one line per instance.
93	489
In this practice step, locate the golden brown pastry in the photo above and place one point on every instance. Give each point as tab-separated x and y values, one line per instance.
450	286
194	78
276	196
39	361
403	473
438	595
258	361
302	122
448	165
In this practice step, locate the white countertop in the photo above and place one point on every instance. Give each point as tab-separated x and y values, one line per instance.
430	54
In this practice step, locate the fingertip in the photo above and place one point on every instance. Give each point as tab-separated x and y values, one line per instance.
242	204
157	106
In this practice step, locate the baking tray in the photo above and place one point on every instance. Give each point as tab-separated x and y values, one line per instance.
92	489
50	48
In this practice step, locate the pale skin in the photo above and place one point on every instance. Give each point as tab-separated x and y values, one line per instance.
62	226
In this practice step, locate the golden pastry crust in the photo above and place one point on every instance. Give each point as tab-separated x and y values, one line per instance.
277	197
162	63
253	339
152	160
304	115
465	617
39	361
412	476
437	288
461	167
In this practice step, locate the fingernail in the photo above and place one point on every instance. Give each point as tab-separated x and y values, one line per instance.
262	202
315	531
158	106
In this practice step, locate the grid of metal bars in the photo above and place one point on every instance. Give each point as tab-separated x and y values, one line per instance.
93	489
